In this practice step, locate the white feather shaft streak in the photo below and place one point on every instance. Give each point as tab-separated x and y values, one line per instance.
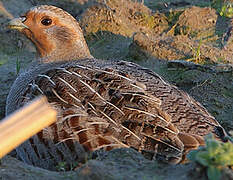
104	100
131	132
59	97
154	99
111	73
47	77
105	115
154	116
68	84
161	141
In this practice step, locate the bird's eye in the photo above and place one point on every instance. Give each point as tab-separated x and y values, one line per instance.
46	21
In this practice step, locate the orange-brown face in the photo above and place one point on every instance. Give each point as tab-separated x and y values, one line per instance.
54	32
38	24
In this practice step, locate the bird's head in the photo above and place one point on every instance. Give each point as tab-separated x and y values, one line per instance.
55	33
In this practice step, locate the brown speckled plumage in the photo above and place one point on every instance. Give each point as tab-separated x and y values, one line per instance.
101	104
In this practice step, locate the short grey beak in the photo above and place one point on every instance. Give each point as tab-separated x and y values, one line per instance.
17	23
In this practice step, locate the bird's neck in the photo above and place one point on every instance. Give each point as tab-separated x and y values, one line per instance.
65	52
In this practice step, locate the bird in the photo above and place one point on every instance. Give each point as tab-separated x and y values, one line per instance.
101	104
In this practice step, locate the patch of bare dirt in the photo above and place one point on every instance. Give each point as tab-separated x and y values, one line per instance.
191	38
197	22
122	17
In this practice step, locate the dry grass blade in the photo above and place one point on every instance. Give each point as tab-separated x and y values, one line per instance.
24	123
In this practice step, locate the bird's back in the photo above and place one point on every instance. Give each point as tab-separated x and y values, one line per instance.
109	104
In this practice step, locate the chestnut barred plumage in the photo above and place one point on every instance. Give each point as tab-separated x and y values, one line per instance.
100	104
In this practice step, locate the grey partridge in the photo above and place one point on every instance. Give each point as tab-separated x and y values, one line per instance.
100	104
